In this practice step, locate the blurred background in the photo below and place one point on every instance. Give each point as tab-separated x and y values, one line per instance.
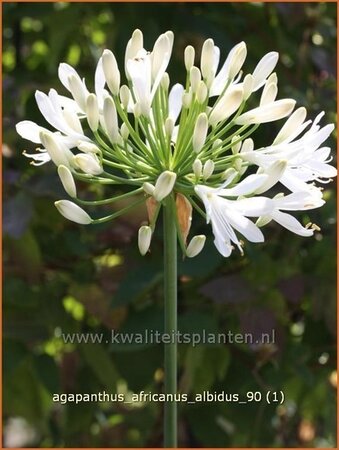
63	278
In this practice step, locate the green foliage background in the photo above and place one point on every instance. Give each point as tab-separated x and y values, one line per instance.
63	278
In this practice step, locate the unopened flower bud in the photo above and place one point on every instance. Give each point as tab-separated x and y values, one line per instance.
236	147
208	169
137	110
187	99
144	239
196	245
267	113
124	131
227	105
125	95
73	212
164	185
169	126
247	86
165	81
228	173
237	60
111	120
247	146
269	93
67	180
195	78
202	92
291	126
237	164
88	163
207	58
197	168
200	132
148	188
111	71
216	144
189	57
263	69
92	112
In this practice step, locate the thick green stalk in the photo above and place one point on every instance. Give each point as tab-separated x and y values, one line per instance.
170	289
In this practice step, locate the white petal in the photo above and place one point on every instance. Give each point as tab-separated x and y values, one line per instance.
234	60
318	138
161	50
99	83
227	105
65	71
293	123
29	130
291	223
245	226
299	201
254	207
134	45
247	186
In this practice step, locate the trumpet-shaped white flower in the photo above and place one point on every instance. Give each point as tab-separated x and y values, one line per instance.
297	201
306	162
146	69
227	215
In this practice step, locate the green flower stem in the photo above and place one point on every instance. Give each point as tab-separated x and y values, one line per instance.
118	213
170	289
197	208
106	201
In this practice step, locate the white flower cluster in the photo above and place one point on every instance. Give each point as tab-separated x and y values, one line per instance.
185	145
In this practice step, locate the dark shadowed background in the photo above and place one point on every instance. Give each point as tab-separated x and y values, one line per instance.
63	278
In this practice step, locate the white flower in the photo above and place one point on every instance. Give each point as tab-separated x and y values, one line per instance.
145	70
306	162
298	201
230	69
226	215
56	149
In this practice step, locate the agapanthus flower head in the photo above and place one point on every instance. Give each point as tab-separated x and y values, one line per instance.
185	145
